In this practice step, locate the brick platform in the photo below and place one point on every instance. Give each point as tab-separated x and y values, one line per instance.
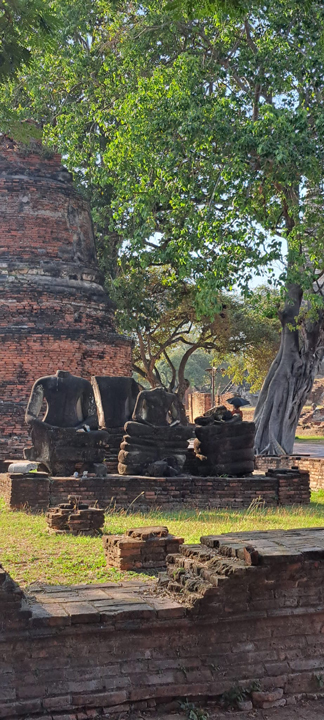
146	493
54	311
140	548
255	620
21	491
314	466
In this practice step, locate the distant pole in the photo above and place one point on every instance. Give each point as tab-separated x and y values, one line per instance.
212	371
213	388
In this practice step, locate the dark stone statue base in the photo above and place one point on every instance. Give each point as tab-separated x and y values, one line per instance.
115	437
63	450
225	448
144	444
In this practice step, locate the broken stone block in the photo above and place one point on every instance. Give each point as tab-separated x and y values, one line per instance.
140	548
75	518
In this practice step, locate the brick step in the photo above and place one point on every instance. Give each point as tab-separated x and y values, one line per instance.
220	560
197	568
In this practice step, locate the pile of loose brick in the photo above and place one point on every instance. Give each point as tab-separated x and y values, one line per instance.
140	548
75	518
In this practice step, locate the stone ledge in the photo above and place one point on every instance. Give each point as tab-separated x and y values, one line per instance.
146	493
61	606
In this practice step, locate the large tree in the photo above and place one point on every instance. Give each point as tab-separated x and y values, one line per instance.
200	142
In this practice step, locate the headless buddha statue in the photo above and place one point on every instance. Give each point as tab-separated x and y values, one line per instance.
157	407
70	401
67	435
154	434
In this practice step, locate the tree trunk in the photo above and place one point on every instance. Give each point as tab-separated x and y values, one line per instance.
289	380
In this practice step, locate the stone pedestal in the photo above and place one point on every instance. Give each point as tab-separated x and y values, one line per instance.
64	450
75	518
140	548
225	448
145	444
115	400
115	437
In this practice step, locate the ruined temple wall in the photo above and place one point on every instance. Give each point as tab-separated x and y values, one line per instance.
147	493
26	358
198	404
313	465
105	646
54	311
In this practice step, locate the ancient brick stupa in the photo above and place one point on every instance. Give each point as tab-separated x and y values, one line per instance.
54	312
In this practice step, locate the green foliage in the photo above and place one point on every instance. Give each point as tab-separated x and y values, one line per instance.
258	325
24	24
234	695
162	318
237	694
193	712
205	8
319	680
195	370
199	141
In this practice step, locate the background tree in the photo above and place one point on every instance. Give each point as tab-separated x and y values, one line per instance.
163	321
161	317
258	325
199	361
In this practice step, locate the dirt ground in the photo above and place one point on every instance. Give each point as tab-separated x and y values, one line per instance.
305	710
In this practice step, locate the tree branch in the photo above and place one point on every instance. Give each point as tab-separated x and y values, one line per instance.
173	370
250	42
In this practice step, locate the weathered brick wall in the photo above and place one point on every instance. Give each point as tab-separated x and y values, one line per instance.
106	646
54	312
198	404
144	493
23	491
314	466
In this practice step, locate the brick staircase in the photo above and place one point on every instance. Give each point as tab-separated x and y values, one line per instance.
198	571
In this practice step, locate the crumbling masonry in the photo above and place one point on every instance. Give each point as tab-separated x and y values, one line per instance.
54	311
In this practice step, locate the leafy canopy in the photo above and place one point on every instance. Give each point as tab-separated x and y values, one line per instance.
198	140
24	24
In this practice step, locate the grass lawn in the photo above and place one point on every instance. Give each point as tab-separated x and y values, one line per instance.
310	438
30	554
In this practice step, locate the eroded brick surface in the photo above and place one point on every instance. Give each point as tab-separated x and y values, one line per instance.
140	548
54	312
84	651
145	493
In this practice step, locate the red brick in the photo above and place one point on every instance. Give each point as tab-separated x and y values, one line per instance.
54	313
